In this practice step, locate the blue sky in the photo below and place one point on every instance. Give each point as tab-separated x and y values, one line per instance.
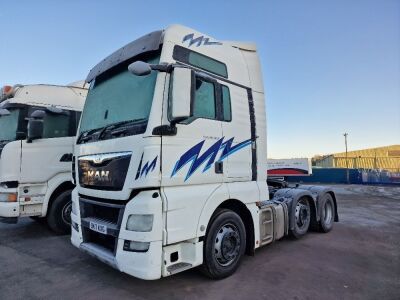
329	66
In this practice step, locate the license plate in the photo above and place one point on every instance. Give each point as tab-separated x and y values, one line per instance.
98	227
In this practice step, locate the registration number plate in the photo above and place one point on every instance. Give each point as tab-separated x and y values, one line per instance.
98	227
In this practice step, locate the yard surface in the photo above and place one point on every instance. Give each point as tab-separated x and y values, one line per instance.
358	259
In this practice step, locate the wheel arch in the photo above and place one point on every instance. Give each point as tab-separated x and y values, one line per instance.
56	186
244	213
65	186
290	196
320	191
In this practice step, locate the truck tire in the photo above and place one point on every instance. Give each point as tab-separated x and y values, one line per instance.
327	213
225	244
59	214
302	218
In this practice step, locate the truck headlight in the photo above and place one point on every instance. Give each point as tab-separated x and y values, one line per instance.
8	197
140	223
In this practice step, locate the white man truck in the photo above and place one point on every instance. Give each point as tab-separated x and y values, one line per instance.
170	160
38	125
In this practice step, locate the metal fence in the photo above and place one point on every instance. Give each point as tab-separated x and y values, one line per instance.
356	176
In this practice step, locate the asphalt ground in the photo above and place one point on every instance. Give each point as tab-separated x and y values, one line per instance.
358	259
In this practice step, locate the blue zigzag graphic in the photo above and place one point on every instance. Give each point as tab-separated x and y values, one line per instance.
193	155
146	168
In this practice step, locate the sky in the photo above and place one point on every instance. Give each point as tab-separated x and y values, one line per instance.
329	67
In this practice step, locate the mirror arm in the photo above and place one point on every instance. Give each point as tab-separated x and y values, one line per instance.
167	68
162	67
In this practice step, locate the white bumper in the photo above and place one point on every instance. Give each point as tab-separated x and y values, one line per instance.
144	265
9	209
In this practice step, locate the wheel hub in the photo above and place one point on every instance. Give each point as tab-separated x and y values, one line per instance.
328	213
301	214
227	245
66	213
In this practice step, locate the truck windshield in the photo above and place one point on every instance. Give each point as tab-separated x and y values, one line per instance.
9	125
121	98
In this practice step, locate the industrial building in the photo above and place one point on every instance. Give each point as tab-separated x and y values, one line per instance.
381	158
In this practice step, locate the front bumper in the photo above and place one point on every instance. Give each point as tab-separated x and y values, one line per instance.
9	209
145	265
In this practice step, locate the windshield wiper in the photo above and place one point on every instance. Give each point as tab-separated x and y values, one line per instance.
87	135
118	125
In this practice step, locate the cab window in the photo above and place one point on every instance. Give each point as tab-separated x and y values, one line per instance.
204	100
56	126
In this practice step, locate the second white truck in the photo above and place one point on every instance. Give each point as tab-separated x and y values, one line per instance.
170	160
37	130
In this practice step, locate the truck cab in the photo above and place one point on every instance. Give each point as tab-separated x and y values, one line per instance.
37	128
170	158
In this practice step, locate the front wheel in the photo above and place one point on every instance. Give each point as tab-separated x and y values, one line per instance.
225	244
59	214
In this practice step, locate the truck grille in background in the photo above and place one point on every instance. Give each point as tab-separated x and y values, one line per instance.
73	170
107	213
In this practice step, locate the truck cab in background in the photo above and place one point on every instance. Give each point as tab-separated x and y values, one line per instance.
170	160
37	130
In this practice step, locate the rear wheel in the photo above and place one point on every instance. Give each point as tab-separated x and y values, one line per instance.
327	213
302	218
59	214
225	244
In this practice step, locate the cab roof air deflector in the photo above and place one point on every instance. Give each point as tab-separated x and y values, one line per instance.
149	42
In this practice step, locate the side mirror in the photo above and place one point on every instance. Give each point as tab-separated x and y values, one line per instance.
35	125
139	68
4	112
182	94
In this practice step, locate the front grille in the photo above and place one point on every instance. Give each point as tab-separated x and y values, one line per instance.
108	213
108	174
106	241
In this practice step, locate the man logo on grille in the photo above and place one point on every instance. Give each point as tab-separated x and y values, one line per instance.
98	174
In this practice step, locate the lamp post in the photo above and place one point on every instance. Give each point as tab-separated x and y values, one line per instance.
347	163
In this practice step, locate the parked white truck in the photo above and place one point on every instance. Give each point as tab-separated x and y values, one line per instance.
38	125
170	160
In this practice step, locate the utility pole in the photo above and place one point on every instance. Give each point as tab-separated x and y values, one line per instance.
347	163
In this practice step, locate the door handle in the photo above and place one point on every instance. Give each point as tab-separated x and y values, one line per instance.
219	167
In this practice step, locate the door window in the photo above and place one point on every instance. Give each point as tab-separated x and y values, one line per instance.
56	126
204	102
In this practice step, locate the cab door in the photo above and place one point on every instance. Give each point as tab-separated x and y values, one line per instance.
44	158
189	172
189	157
237	132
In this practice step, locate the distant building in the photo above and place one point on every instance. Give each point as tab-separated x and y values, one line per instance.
383	158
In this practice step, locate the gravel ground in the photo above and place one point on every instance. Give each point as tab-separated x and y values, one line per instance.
358	259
